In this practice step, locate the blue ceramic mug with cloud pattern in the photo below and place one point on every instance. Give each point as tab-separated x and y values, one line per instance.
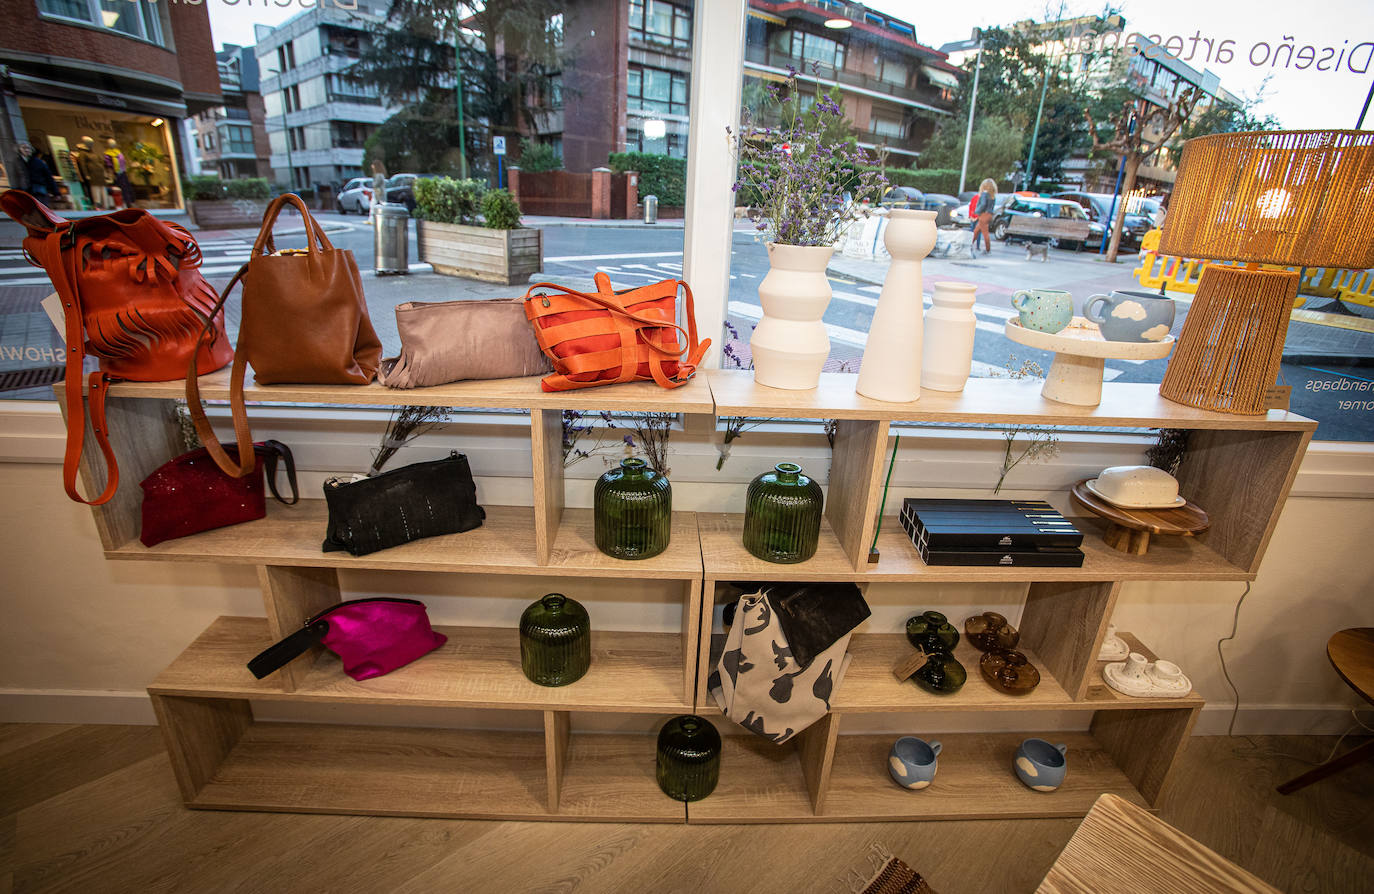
1047	310
1040	765
912	762
1131	316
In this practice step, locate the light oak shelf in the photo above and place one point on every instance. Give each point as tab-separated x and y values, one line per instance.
975	780
1169	558
498	394
986	401
390	771
504	544
479	667
869	686
1239	468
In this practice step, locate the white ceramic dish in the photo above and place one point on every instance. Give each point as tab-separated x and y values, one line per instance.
1177	501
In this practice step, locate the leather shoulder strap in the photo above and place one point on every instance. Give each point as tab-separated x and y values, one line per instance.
61	259
246	461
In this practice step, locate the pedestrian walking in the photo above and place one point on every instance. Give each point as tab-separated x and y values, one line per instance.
987	201
41	182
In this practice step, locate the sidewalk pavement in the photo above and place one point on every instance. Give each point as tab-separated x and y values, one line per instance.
540	221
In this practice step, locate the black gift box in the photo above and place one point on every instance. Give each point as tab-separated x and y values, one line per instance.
991	532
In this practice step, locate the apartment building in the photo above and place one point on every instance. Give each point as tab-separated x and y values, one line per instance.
123	73
894	88
627	75
230	140
318	117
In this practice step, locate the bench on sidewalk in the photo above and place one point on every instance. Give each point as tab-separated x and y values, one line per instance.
1032	228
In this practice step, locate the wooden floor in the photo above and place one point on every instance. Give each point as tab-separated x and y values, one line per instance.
95	809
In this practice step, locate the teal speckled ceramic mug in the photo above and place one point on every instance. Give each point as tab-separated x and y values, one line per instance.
1047	310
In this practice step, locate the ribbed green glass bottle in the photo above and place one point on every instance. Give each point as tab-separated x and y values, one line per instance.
632	511
688	758
555	641
782	515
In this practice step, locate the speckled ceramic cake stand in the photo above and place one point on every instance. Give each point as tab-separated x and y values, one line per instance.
1080	353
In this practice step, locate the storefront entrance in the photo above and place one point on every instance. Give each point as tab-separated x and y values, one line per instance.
128	156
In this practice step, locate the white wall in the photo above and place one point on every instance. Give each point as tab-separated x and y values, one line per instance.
80	637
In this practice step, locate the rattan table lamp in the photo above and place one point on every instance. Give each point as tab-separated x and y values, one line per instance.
1302	198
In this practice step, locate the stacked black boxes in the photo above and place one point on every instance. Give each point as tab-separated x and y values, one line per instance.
992	532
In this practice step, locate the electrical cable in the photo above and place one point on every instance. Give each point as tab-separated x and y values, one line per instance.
1256	751
891	464
1235	625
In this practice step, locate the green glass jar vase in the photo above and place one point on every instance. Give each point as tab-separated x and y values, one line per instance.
688	758
921	628
782	515
632	511
555	641
932	633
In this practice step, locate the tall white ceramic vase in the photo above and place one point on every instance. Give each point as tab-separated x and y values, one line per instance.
790	344
891	366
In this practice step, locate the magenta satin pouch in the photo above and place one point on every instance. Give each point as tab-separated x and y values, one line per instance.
371	636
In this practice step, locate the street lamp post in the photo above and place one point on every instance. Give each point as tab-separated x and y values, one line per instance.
972	106
1030	162
285	130
458	89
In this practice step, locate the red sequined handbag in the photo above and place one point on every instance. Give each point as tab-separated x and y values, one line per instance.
190	494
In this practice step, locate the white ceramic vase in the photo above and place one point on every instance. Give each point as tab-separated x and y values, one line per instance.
947	352
790	344
891	367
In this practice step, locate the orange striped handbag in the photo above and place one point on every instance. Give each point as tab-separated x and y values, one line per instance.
607	337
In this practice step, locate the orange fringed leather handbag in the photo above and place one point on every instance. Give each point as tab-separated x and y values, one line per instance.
607	337
132	296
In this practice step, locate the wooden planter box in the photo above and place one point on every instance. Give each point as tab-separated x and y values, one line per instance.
504	256
219	214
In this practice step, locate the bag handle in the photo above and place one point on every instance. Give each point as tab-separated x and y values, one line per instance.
616	309
694	350
277	655
243	465
272	451
60	246
314	233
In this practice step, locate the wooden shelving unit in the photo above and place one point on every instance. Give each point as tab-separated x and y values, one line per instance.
225	759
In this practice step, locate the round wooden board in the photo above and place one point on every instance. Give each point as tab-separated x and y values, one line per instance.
1185	520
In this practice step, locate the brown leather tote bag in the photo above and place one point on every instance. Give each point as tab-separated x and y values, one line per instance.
304	322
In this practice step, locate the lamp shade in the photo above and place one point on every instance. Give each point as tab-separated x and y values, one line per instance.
1300	198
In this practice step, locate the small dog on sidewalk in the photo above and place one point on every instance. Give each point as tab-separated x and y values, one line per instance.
1038	248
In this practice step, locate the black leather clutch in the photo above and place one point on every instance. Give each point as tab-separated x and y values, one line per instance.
412	502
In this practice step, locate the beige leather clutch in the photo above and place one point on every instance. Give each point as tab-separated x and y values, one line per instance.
450	341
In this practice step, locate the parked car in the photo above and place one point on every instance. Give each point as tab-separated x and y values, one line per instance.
400	189
1019	205
356	195
1098	207
911	197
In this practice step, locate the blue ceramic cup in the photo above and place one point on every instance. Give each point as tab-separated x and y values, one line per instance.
1040	765
912	762
1131	316
1046	310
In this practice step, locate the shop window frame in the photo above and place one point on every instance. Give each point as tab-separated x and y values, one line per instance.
148	13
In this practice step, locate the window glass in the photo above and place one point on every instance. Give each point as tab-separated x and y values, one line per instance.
907	86
72	9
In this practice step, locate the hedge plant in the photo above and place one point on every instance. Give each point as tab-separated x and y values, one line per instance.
659	175
205	187
248	188
447	200
500	211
